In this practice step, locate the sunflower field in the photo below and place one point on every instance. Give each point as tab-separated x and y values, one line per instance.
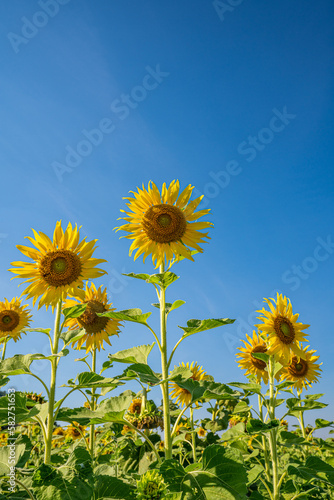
182	435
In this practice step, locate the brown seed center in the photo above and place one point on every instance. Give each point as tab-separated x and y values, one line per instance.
8	320
284	329
164	223
298	367
258	363
61	267
90	321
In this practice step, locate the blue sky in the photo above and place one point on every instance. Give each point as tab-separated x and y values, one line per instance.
234	97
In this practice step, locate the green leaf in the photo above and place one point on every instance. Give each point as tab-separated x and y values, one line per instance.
22	413
242	407
18	364
221	475
255	426
262	356
66	485
247	387
254	473
4	381
137	354
72	335
235	432
164	279
15	457
89	379
215	390
284	385
143	372
108	487
290	438
321	423
198	325
315	468
134	315
169	306
74	311
178	303
46	331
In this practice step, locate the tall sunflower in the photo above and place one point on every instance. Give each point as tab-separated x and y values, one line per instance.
281	330
303	372
164	224
183	396
98	328
59	267
253	365
13	319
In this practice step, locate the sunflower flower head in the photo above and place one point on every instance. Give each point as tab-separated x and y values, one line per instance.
302	371
164	225
98	328
13	319
181	395
281	330
59	266
247	361
151	486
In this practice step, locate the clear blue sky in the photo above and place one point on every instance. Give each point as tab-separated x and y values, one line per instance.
237	101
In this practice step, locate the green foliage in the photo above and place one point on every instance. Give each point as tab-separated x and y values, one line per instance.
220	475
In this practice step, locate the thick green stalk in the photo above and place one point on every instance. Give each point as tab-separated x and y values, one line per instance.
273	434
92	407
193	437
52	392
264	442
164	369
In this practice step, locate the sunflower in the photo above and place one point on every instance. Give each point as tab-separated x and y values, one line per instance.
13	319
98	328
201	432
303	372
253	365
59	267
164	224
281	329
183	396
135	406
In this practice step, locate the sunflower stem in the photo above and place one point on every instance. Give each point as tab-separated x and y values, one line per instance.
264	441
273	433
92	407
164	369
52	392
193	437
4	349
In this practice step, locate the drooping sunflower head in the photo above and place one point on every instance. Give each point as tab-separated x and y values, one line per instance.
302	371
59	267
281	330
13	319
181	395
98	328
164	224
247	361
